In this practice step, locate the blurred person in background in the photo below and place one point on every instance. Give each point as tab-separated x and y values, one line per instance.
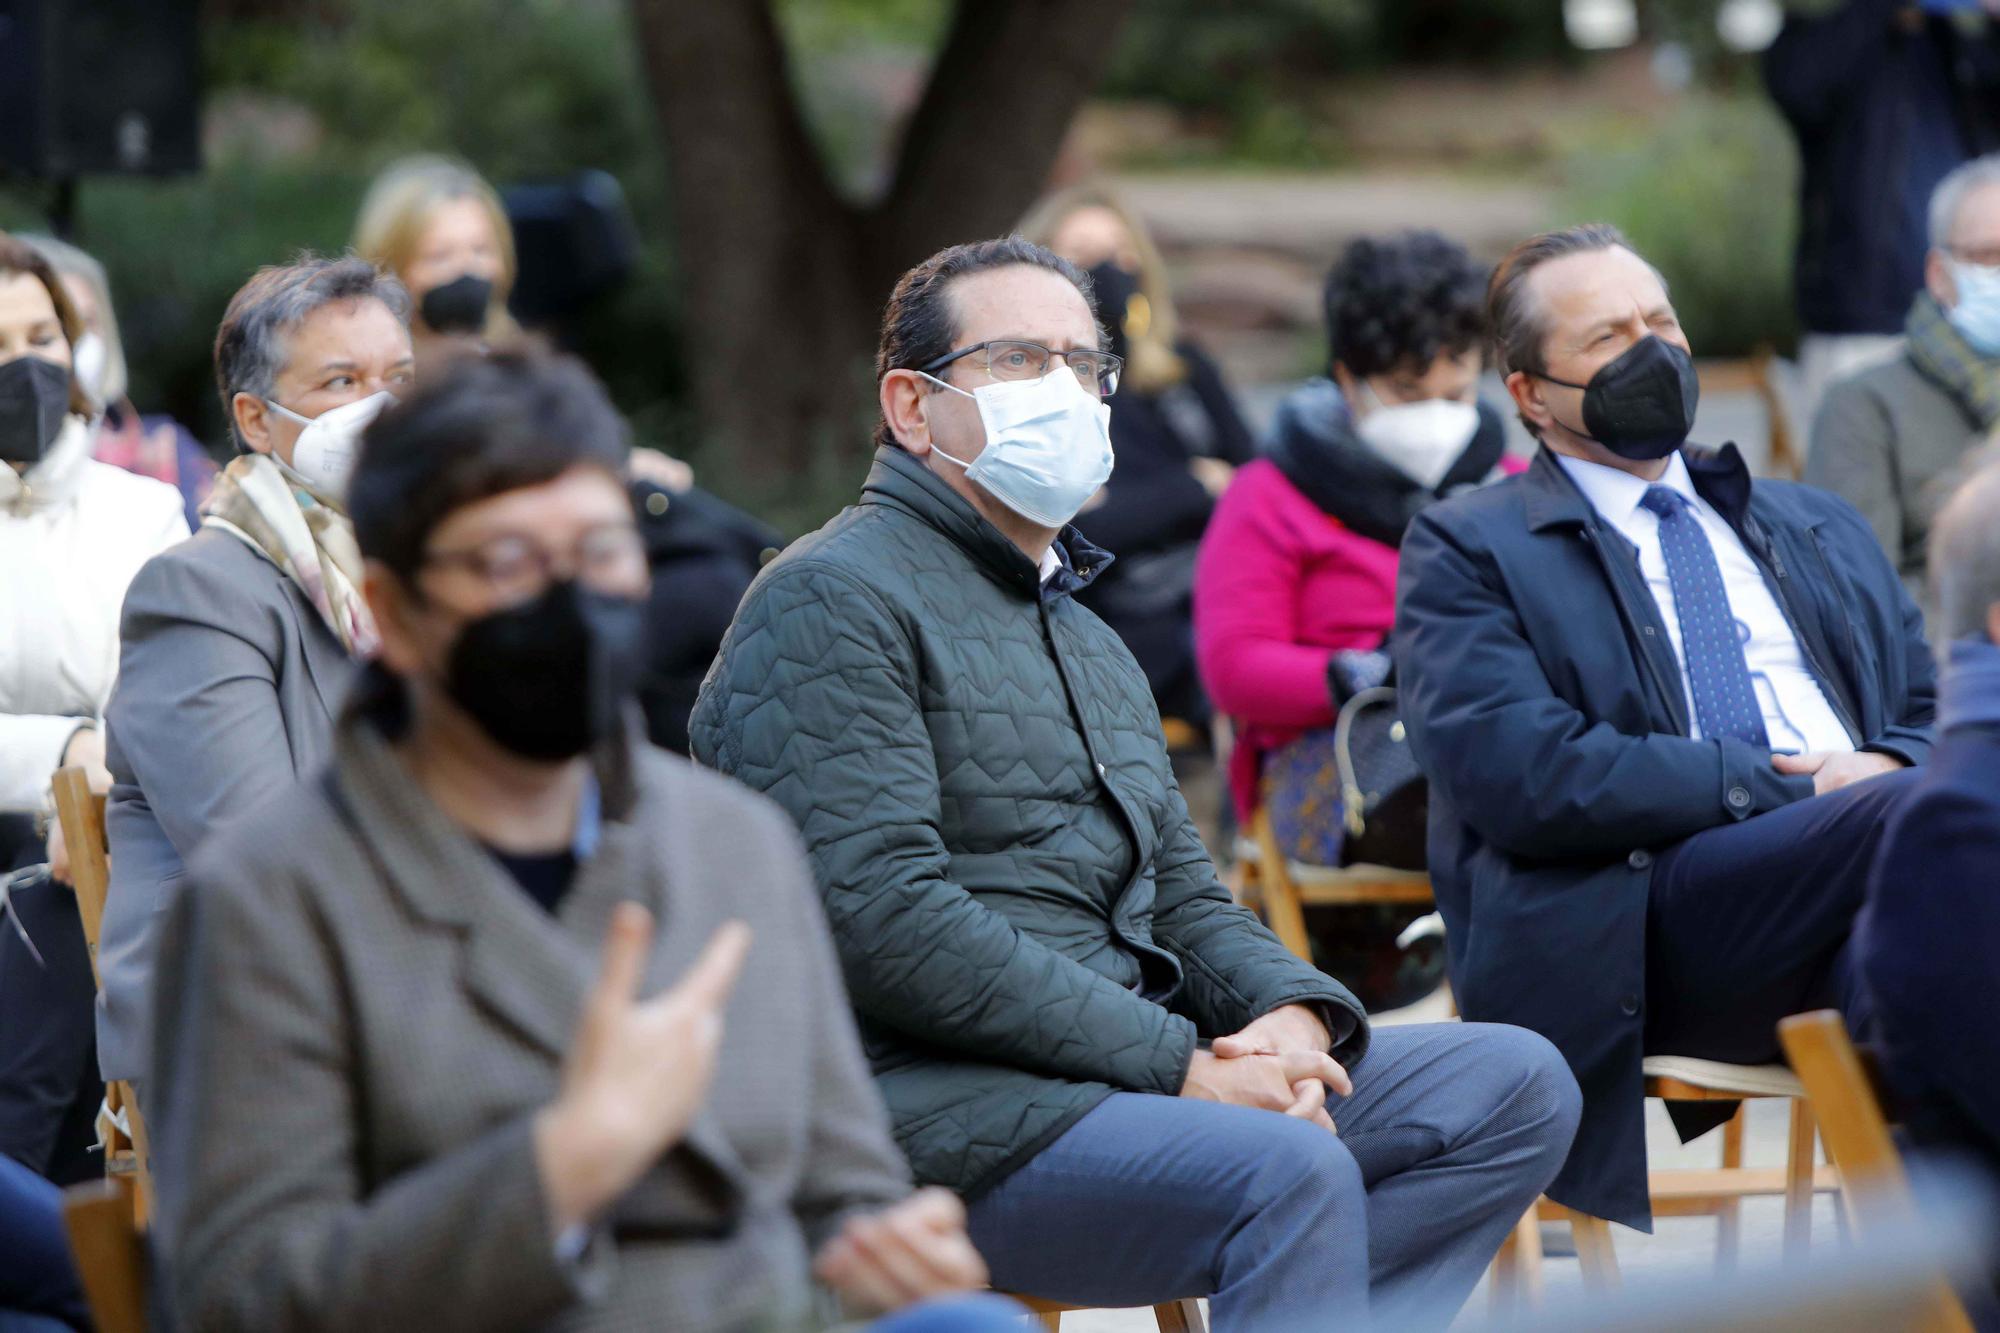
239	644
1176	431
1885	97
507	1021
73	533
1295	590
1895	439
153	446
439	227
1924	940
1665	709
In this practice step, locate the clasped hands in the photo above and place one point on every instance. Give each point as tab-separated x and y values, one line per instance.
1832	770
637	1074
1278	1063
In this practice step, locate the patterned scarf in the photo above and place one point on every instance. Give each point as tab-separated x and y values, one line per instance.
263	503
1942	354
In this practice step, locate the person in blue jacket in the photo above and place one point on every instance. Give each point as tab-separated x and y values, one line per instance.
1925	939
1661	707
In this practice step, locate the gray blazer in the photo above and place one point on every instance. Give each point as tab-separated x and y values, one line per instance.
360	1014
228	683
1893	443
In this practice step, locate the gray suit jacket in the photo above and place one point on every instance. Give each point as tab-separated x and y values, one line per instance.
360	1014
1894	443
228	683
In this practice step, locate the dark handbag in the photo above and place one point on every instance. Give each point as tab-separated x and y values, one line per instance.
1384	797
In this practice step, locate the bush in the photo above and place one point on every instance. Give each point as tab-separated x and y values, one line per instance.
1711	197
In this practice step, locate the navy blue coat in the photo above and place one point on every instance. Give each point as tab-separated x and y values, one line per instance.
1545	704
1925	946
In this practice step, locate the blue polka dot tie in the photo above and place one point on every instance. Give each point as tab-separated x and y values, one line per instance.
1724	703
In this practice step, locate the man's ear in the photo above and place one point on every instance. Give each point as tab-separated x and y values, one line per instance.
1993	622
1526	392
253	421
1937	279
903	407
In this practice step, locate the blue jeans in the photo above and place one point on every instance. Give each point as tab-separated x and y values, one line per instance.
1452	1131
39	1287
981	1313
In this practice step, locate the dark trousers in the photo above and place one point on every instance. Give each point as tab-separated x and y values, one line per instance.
49	1088
1749	923
39	1287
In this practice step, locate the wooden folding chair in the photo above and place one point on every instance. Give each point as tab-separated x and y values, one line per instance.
120	1125
1284	888
110	1253
1681	1192
1172	1316
1875	1190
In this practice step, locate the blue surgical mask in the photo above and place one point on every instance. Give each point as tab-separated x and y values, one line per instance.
1976	315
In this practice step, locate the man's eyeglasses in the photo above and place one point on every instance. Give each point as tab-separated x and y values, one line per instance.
608	559
1005	359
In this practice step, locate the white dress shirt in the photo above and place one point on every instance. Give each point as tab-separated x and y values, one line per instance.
1051	562
1797	716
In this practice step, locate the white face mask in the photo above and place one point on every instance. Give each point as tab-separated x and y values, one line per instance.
1420	440
89	359
327	448
1048	445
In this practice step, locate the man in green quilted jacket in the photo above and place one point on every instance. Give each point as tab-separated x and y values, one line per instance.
1139	1092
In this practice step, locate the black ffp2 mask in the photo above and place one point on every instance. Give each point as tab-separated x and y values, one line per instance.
34	395
549	678
459	306
1641	404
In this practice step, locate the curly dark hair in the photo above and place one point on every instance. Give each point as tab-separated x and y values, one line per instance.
1403	300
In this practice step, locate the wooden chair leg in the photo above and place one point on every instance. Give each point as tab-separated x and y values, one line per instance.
1594	1251
1517	1269
1282	907
1799	1180
1050	1321
1182	1316
1729	1212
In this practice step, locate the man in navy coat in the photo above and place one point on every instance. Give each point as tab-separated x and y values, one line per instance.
1664	712
1925	939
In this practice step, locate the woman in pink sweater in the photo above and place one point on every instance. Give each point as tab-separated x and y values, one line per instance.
1296	581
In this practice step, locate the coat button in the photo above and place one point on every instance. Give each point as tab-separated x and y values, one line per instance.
1739	797
657	503
1630	1005
1640	859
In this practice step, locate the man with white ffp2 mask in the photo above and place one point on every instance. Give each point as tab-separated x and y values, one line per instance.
1069	1019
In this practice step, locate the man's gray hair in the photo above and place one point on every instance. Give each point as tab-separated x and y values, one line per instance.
1965	557
1950	193
253	345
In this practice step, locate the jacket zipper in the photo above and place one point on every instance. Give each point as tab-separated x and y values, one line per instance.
1090	751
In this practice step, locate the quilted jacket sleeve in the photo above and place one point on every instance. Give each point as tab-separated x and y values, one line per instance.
1236	970
814	702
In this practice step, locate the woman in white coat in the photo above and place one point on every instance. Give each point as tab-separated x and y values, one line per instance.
73	532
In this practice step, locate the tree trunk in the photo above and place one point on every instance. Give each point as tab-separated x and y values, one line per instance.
784	278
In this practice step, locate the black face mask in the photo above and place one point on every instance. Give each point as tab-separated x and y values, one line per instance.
548	679
459	306
34	395
1641	405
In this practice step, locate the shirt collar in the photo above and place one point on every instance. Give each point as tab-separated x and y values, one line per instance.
1051	563
1616	494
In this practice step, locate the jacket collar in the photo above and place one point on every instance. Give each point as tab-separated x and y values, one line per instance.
530	972
1720	477
901	481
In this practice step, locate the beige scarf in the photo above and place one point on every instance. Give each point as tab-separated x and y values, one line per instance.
263	503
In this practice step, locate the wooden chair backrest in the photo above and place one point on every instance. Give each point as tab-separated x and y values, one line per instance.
110	1255
1875	1189
81	811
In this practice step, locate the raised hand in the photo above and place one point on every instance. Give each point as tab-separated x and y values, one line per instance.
913	1251
638	1070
